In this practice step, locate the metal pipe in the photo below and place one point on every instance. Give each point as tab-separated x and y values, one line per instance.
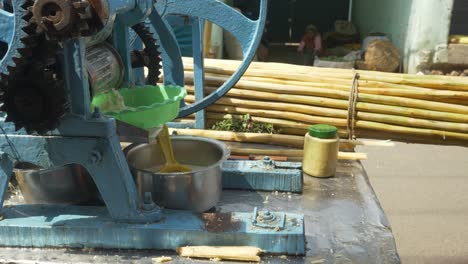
350	11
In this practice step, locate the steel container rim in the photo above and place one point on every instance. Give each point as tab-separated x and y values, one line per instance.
220	145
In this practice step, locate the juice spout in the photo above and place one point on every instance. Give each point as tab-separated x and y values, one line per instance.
130	133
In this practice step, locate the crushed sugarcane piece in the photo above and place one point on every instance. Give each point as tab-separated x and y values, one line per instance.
238	253
161	259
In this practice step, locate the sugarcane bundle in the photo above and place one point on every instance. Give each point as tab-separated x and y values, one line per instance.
409	108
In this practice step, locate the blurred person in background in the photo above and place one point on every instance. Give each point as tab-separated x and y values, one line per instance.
310	45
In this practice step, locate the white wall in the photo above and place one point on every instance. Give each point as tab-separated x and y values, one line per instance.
419	28
428	32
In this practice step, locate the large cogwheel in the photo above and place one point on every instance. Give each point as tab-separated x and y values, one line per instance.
33	95
150	56
32	92
37	102
17	36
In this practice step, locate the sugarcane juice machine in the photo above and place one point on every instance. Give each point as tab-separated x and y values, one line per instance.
55	56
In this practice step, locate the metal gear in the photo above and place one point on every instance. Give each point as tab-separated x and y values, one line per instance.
150	56
35	99
32	94
65	19
17	37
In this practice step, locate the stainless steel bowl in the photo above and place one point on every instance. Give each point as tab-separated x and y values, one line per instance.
198	190
69	184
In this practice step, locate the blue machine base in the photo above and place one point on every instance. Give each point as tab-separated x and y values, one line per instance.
263	175
91	227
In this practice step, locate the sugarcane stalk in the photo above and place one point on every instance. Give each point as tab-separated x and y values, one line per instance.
285	128
434	82
239	108
291	131
302	77
341	104
221	253
293	153
299	108
432	133
361	116
452	97
275	139
337	94
253	72
273	121
309	119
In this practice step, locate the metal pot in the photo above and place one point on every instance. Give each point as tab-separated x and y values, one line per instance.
69	184
198	190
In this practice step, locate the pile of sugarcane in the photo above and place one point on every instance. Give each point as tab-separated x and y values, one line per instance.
403	107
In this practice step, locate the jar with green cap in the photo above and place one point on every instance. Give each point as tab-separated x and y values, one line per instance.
321	146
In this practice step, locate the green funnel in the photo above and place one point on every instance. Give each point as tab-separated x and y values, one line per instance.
145	106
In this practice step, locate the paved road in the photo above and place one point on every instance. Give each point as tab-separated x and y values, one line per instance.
424	192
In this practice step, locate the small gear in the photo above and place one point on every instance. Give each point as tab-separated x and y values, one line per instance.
64	19
149	56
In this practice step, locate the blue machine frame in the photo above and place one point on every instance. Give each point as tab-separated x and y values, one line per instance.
89	139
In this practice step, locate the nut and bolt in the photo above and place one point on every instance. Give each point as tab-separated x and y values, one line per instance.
267	160
97	113
148	204
95	156
148	199
267	216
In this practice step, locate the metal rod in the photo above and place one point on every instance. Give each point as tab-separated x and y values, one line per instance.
199	75
76	77
350	11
